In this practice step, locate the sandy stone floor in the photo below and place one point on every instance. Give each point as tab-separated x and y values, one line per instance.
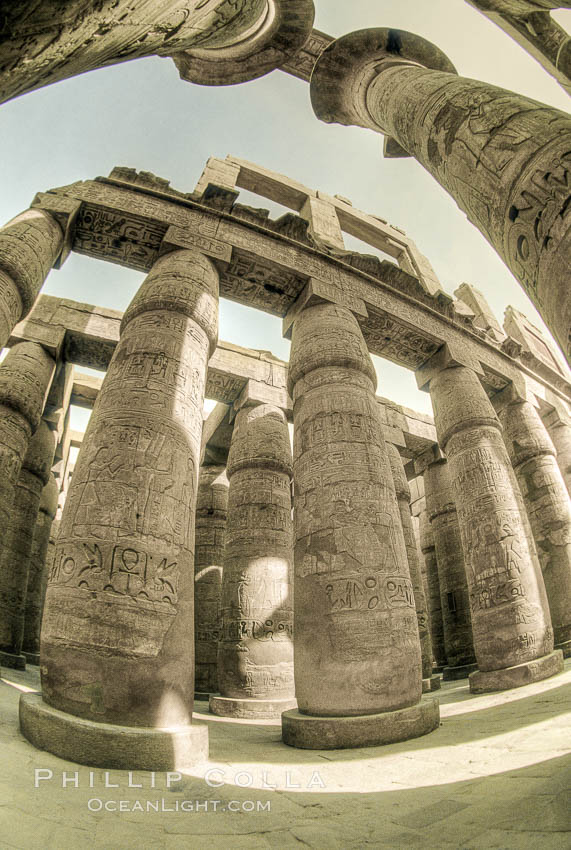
496	774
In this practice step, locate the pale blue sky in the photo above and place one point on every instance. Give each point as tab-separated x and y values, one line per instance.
140	114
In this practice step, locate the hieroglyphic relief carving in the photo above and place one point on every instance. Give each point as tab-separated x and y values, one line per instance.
124	238
354	598
396	341
126	542
255	654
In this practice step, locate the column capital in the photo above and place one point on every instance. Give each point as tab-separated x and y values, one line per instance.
446	357
319	292
65	211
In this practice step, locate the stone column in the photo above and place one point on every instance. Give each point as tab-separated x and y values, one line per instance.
454	596
255	653
29	246
433	592
17	545
402	490
211	515
547	501
357	653
38	572
117	643
559	428
513	638
504	158
25	378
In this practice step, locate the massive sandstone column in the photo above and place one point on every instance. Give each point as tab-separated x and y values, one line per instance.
29	246
559	427
25	378
505	159
356	647
513	638
432	591
547	501
454	596
117	643
211	515
38	572
18	538
255	652
402	491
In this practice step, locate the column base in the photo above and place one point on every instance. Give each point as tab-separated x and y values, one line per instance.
517	676
565	647
452	674
32	658
107	745
250	709
431	684
15	662
364	730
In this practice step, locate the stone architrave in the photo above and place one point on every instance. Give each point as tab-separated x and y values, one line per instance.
211	515
432	591
38	571
18	540
356	647
454	596
505	159
548	507
29	246
117	641
559	428
513	638
402	490
25	378
255	652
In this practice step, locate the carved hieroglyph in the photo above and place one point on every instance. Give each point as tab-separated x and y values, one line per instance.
454	597
548	507
38	571
559	428
25	378
29	246
211	515
510	613
357	650
403	498
428	550
18	539
255	654
117	639
505	159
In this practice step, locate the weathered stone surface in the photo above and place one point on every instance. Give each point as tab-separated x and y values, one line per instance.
518	675
402	491
433	600
548	507
369	730
454	597
38	571
510	613
18	539
255	653
117	642
503	157
29	246
559	428
211	515
356	636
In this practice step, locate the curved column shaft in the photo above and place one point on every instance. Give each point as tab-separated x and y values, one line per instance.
403	499
38	571
356	635
452	584
505	159
211	516
17	548
255	653
548	507
510	614
559	430
428	550
29	246
117	639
